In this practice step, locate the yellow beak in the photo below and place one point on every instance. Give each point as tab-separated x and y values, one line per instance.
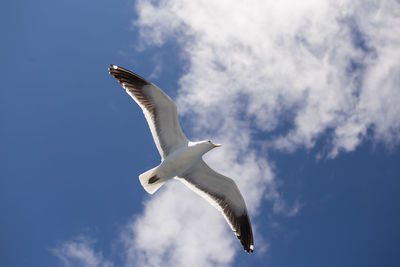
217	145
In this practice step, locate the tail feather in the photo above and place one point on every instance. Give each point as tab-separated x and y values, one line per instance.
150	182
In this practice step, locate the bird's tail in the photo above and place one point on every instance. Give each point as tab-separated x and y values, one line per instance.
150	182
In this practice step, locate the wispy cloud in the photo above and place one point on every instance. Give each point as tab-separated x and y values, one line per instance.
277	75
265	75
321	65
171	232
80	252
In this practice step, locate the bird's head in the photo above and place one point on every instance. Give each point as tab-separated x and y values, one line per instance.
211	144
204	146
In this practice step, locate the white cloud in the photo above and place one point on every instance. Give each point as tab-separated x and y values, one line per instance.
172	233
265	75
289	70
80	252
332	64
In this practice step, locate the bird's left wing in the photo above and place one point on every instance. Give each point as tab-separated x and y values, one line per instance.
224	195
160	111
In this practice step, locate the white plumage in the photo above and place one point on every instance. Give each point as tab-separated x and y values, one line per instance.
181	158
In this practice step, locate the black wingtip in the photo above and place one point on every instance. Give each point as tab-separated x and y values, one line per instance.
245	233
124	75
250	249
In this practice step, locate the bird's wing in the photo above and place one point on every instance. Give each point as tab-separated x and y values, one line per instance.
224	195
160	111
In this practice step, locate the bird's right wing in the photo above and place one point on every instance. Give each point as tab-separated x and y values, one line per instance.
223	194
160	111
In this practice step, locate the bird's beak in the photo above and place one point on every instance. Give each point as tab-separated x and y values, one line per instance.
217	145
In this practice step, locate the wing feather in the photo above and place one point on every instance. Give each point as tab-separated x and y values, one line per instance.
222	193
159	110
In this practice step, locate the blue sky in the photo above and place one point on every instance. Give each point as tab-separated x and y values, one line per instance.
307	110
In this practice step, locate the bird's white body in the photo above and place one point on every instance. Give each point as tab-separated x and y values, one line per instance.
181	158
175	164
179	161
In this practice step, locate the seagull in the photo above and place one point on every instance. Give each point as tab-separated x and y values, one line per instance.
181	158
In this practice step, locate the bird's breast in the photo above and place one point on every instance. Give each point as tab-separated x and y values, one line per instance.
178	162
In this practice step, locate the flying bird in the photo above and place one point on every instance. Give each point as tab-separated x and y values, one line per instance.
181	158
